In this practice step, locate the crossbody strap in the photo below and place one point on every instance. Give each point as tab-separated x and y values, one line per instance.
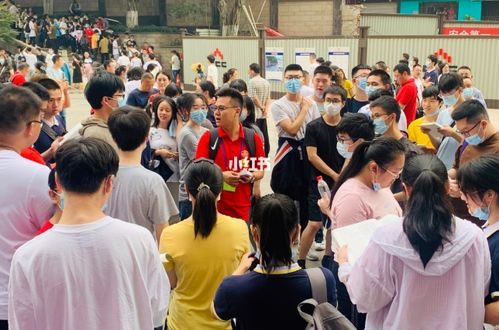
318	284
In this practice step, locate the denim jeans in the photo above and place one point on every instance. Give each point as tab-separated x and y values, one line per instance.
185	209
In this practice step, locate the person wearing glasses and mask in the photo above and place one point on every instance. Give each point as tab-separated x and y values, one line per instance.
232	153
24	202
362	192
104	92
480	138
360	99
291	114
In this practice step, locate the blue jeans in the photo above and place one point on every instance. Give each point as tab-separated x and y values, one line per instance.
185	209
174	76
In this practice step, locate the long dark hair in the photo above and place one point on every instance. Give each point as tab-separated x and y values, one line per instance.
203	180
428	213
479	175
383	151
155	105
275	216
227	75
250	108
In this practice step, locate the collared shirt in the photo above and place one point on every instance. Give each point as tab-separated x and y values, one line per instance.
235	203
408	95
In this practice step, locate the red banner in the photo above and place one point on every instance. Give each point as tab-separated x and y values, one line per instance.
471	31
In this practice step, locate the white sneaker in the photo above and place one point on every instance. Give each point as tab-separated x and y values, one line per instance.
319	246
312	256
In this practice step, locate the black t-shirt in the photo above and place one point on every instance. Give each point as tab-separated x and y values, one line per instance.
260	301
493	240
352	105
323	136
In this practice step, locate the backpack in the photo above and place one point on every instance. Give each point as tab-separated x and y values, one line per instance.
324	315
249	139
27	28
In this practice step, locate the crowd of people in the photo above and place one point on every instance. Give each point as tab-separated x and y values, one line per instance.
151	207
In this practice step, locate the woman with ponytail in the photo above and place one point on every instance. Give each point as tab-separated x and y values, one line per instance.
201	250
428	271
267	297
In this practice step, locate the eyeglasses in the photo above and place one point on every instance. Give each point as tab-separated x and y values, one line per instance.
222	108
343	140
467	132
361	76
33	121
118	97
395	175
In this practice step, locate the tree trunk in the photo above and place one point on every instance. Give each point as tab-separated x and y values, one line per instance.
230	16
132	18
337	17
48	7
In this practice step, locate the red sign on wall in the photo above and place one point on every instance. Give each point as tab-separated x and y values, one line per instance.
471	31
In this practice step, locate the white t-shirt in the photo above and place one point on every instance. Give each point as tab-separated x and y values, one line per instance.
212	74
103	275
24	207
123	60
175	63
135	62
159	138
146	64
284	109
31	60
55	74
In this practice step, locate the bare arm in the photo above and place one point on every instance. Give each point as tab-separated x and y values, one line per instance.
159	229
492	313
319	164
172	276
293	127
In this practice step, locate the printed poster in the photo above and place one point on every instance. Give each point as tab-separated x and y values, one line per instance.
274	63
302	57
339	56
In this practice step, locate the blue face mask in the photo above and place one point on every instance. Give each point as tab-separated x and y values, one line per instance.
242	116
474	139
432	114
376	186
121	102
482	213
61	200
363	83
449	100
293	86
370	90
343	150
380	127
468	93
198	116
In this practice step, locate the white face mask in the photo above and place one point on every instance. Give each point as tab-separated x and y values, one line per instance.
332	109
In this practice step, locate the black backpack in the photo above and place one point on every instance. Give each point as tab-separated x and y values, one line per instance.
324	316
249	139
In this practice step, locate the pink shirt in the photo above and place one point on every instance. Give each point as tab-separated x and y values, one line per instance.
390	284
355	202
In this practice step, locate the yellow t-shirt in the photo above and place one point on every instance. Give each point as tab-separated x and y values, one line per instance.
104	46
200	265
348	85
95	41
416	135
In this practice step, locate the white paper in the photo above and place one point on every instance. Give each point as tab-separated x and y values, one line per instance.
274	63
339	56
357	236
433	127
302	57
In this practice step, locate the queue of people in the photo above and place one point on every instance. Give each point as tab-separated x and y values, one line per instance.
213	252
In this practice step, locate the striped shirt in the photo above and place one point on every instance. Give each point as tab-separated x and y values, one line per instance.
259	87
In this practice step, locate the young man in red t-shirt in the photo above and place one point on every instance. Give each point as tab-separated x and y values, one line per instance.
408	93
19	77
235	200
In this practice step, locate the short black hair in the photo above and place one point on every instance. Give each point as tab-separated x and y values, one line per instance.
405	56
255	67
337	90
385	77
210	58
102	84
146	76
83	164
404	61
107	63
172	90
135	73
18	106
432	91
239	85
49	84
379	93
322	69
207	86
388	104
51	180
401	68
56	58
235	96
381	65
472	110
433	58
360	67
357	126
38	89
250	108
464	67
119	70
450	81
129	127
293	67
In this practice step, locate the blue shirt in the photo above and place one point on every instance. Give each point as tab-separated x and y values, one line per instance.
352	105
44	141
260	301
138	98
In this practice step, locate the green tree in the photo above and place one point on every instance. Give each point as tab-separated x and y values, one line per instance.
7	33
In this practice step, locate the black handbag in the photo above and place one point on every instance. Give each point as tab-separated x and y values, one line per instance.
157	164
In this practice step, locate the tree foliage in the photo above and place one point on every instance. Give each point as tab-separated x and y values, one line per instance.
7	33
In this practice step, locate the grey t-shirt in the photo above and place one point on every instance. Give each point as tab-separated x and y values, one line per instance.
187	145
141	196
285	109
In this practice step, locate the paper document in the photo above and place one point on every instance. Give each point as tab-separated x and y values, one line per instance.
433	127
357	236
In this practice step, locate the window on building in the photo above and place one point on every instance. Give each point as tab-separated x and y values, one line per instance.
448	9
490	10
